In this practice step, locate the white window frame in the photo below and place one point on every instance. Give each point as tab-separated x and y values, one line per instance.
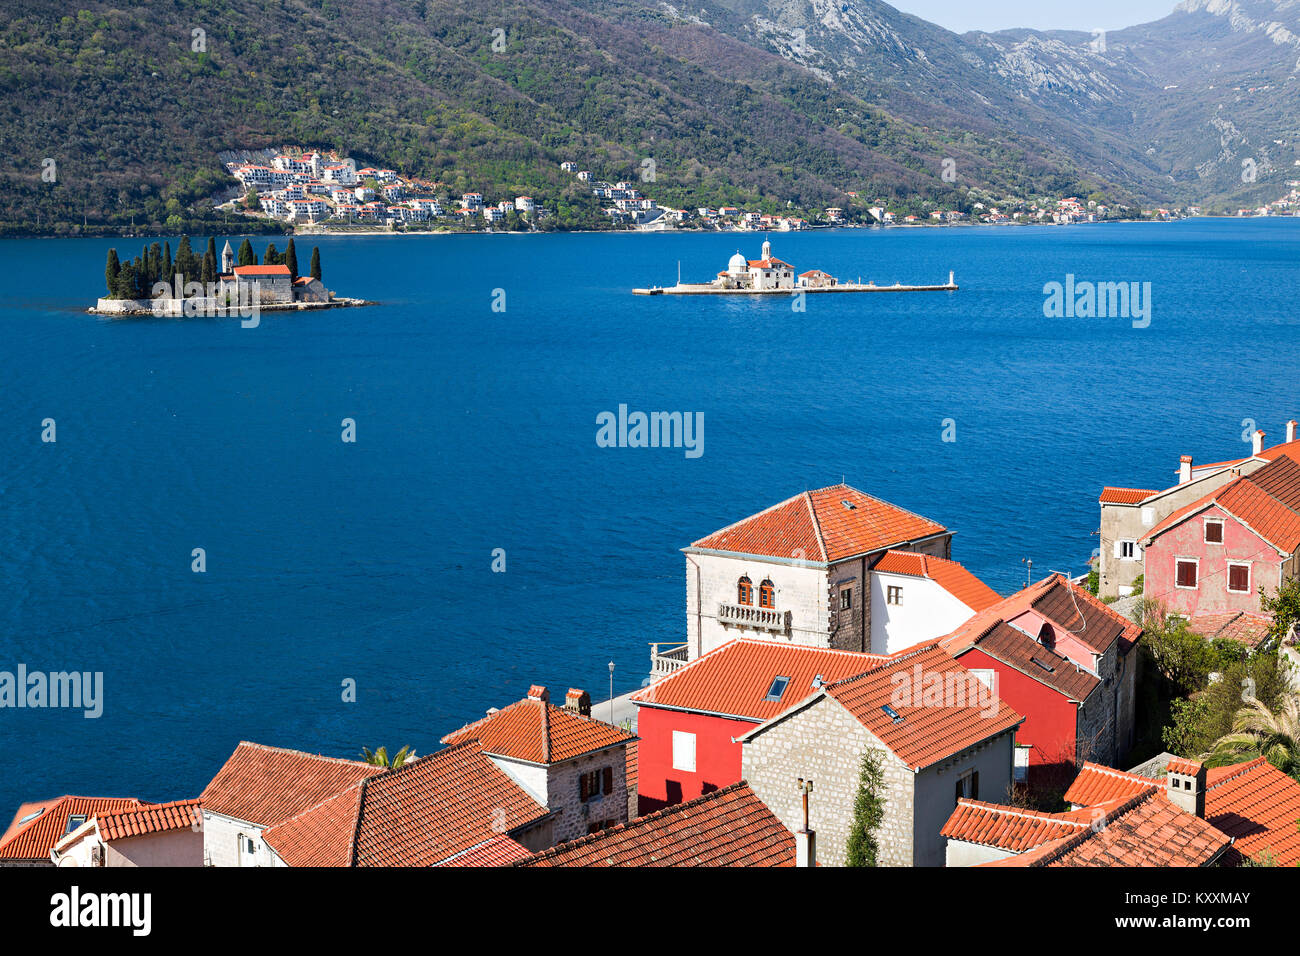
1205	531
683	751
1148	516
893	591
1184	587
1227	584
1129	543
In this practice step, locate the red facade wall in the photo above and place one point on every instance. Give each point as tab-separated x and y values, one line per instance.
1050	726
1211	595
717	759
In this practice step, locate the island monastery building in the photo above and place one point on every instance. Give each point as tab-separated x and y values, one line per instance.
768	272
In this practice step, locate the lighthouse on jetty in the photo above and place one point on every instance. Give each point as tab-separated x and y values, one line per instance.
769	275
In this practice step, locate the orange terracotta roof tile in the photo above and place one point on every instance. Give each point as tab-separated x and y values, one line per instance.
829	524
1259	805
1096	784
540	733
734	679
1145	830
498	851
149	818
39	825
925	732
1240	626
1125	496
1018	650
949	575
264	785
728	827
1267	502
1011	828
1182	765
421	814
262	270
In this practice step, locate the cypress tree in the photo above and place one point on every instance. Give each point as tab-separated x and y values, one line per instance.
246	256
209	273
868	813
111	269
291	259
271	257
212	251
185	262
125	285
315	262
155	264
165	272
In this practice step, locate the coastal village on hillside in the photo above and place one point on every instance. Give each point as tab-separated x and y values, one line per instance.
843	692
328	191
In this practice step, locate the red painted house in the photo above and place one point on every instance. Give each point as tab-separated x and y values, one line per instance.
1064	660
688	721
1215	554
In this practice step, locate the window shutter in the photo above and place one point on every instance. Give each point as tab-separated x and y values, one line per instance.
1119	549
582	788
609	780
975	785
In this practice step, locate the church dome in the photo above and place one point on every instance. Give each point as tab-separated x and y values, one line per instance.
737	263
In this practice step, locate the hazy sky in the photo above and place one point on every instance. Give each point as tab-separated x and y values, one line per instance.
1087	15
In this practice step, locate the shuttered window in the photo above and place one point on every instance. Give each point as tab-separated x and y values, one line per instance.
1239	578
1185	576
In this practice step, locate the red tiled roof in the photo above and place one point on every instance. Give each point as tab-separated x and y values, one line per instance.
1010	828
926	733
818	526
1096	784
498	851
264	270
1125	496
1182	765
1240	626
949	575
769	263
1066	605
1146	830
1267	502
728	827
149	818
539	732
1259	805
34	839
264	785
734	679
423	813
1018	650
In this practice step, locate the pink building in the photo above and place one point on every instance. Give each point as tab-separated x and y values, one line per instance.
1214	555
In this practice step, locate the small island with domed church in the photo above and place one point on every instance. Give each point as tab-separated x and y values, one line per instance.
769	275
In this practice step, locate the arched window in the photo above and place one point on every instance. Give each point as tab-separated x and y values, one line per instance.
1046	636
745	591
766	594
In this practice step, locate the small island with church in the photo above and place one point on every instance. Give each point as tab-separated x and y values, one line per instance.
769	275
155	283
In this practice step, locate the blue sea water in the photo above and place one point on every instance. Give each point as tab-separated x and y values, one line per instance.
476	431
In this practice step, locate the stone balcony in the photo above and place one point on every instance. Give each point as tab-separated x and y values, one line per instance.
666	658
754	618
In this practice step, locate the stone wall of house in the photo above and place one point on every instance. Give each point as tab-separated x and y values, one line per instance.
564	794
850	630
221	842
825	743
712	580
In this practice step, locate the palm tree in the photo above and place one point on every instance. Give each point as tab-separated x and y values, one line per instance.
1260	731
379	757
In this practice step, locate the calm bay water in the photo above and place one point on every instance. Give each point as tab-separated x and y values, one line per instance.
476	430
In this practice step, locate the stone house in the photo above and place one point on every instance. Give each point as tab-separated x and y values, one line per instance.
938	733
259	787
1217	553
568	761
1128	514
798	571
38	826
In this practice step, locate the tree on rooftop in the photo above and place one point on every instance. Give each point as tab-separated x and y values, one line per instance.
868	813
315	263
246	256
380	758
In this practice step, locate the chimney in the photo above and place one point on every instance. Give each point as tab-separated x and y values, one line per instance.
539	692
578	701
1184	469
805	838
1185	785
1257	442
1290	430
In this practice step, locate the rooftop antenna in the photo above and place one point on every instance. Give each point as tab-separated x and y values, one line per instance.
1029	570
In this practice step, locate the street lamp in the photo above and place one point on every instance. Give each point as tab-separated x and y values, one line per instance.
611	692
